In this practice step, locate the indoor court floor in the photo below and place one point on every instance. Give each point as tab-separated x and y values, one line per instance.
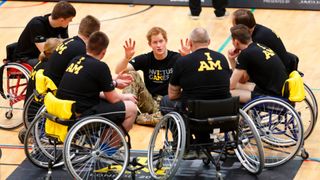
299	30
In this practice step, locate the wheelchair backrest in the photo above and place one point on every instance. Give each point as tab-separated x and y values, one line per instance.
11	51
61	109
201	109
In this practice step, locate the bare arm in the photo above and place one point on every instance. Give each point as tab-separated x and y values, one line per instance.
232	55
174	92
40	46
235	78
129	52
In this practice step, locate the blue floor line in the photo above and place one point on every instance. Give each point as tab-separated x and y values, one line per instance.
227	41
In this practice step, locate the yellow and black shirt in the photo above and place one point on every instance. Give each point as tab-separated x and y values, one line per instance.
203	74
83	80
62	56
264	68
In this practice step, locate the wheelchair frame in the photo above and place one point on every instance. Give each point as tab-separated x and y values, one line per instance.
165	155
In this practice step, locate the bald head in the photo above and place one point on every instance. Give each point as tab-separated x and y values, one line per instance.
199	35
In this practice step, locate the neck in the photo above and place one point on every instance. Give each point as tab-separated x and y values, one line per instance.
84	38
244	46
95	56
161	56
200	46
53	23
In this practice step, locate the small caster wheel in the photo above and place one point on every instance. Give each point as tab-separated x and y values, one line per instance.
206	161
304	154
9	114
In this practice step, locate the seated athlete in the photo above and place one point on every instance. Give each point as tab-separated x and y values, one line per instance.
264	35
70	48
50	25
157	68
202	75
88	81
257	62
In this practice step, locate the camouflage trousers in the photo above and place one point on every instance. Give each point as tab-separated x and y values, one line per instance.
148	105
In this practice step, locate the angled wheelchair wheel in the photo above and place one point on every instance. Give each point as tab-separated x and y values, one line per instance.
249	149
166	147
96	148
14	82
279	126
312	98
307	116
30	110
38	148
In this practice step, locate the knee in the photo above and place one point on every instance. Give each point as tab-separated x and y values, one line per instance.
131	109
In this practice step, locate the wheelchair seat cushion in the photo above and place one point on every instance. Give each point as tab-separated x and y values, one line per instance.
201	109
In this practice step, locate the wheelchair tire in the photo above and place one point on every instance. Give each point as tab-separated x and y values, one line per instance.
307	116
30	110
38	148
87	155
249	149
311	97
279	126
166	147
15	79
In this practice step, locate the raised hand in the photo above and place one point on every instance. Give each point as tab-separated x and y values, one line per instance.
129	48
185	47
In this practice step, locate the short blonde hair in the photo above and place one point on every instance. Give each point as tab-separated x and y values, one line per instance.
49	46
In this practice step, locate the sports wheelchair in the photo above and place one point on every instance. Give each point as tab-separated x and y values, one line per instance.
13	84
92	147
280	128
232	129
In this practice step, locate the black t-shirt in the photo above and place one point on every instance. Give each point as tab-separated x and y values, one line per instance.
266	36
62	56
83	80
37	26
264	68
203	74
156	72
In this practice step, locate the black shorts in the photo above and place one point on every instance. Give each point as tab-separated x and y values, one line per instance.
257	92
115	112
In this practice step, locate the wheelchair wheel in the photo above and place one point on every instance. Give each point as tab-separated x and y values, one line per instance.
96	148
167	146
279	126
15	79
38	148
312	98
249	150
307	116
30	110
